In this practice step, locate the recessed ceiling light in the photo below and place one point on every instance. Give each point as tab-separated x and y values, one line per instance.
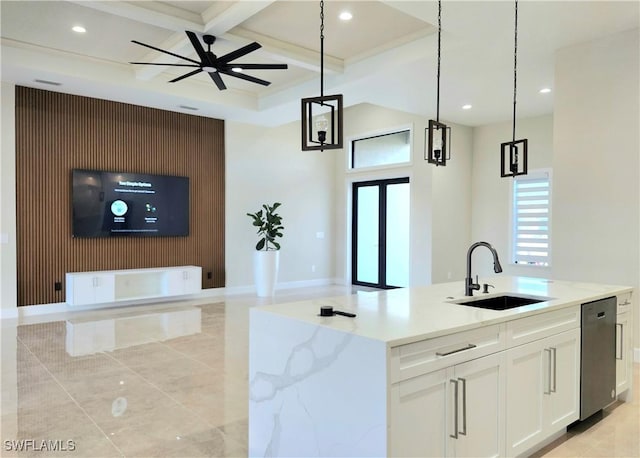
345	16
78	29
545	90
236	69
466	107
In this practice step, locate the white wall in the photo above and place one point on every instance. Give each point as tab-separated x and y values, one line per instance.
596	224
8	246
491	213
437	231
266	165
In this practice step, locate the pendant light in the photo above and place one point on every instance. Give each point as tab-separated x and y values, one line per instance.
515	149
322	116
438	135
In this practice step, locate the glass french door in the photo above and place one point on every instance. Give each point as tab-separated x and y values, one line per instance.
380	237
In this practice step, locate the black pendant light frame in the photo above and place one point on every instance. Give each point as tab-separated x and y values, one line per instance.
436	129
313	107
515	149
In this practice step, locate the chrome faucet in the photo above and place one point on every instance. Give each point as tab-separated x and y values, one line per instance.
469	285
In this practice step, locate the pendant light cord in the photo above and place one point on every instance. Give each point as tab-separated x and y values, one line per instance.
438	75
515	70
321	48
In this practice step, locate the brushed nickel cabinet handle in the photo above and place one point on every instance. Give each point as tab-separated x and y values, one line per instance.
456	350
555	369
455	410
621	342
464	406
548	391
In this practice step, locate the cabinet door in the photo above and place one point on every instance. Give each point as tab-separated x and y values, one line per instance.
192	281
173	282
528	383
93	289
83	289
418	416
104	288
481	397
564	402
623	353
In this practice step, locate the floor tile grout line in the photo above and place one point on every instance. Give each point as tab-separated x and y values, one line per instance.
73	398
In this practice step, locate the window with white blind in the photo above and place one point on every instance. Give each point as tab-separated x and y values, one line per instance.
531	225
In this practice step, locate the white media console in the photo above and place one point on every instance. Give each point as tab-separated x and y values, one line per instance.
85	288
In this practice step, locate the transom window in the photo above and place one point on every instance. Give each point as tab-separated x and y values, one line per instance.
531	226
379	150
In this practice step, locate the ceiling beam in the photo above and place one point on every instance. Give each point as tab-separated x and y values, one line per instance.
288	53
215	22
151	13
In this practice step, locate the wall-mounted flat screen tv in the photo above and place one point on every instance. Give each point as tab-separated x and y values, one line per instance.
113	204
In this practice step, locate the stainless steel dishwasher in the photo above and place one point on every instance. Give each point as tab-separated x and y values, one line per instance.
598	356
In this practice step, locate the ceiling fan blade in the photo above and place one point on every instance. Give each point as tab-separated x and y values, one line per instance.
166	52
218	80
242	76
187	75
197	46
239	52
259	66
171	65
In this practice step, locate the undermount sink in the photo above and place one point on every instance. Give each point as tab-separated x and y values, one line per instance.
503	302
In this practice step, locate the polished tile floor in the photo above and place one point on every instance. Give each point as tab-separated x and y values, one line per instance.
171	380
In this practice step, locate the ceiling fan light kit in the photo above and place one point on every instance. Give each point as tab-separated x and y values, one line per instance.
438	134
322	117
516	150
213	65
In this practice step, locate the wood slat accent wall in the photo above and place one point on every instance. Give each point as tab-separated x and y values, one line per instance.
56	133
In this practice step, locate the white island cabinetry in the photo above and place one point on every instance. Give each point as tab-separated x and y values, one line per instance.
543	383
624	346
414	374
464	400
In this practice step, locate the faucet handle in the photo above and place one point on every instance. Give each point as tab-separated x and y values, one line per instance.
475	285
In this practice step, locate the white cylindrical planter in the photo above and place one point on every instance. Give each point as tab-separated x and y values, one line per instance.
265	271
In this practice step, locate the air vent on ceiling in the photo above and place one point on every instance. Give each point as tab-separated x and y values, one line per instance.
187	107
51	83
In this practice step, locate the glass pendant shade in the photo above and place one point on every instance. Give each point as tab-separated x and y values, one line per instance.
437	144
513	158
322	123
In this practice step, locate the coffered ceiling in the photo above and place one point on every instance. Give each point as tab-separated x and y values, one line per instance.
385	55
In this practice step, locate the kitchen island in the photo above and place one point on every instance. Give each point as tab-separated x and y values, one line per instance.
414	374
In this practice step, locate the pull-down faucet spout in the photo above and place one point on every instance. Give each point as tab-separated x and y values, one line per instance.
497	268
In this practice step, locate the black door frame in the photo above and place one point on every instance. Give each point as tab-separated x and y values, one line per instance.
382	230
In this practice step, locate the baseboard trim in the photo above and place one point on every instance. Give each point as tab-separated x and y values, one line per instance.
204	296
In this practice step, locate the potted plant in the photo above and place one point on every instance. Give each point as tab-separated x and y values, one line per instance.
267	254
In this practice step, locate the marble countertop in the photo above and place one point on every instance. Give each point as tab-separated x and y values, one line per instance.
406	315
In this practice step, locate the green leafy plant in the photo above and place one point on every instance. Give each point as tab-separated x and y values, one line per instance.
269	226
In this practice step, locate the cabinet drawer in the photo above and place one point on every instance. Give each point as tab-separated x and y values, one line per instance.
625	302
430	355
525	330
